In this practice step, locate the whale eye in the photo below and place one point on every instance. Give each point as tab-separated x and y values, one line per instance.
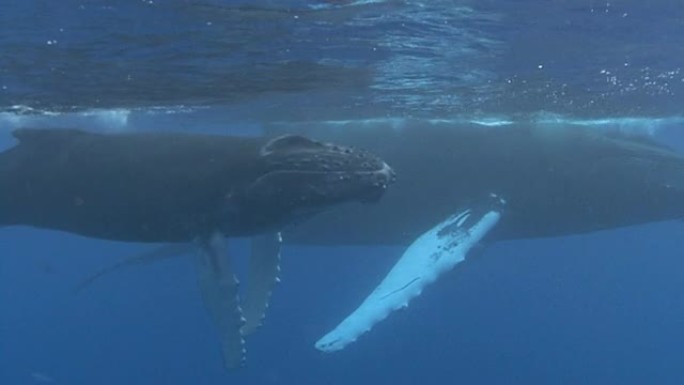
290	143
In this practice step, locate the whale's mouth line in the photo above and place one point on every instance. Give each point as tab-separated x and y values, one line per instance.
385	169
386	172
319	187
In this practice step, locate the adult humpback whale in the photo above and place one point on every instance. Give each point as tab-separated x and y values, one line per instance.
499	183
458	184
150	187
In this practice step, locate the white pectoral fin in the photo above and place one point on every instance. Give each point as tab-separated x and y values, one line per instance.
219	289
264	267
435	252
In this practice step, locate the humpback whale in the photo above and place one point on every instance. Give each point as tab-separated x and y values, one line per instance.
151	187
462	185
556	180
182	188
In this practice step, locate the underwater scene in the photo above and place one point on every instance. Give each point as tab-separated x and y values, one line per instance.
341	192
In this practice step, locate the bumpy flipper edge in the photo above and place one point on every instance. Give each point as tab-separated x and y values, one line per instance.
154	255
264	267
432	254
219	289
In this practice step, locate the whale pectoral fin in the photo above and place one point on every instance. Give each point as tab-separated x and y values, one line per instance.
264	267
219	289
432	254
150	256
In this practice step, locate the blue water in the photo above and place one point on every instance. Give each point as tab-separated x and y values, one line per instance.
297	60
605	308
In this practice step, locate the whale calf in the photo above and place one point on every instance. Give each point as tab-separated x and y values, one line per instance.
183	188
514	181
158	187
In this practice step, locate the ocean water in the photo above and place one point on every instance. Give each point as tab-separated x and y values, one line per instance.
603	308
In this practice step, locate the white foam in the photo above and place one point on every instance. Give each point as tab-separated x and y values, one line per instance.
630	125
177	118
105	119
329	5
626	125
218	119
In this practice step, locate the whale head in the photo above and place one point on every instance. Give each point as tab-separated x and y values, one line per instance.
300	177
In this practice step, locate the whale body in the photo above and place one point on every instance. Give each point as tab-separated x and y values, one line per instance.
186	188
556	181
459	186
171	187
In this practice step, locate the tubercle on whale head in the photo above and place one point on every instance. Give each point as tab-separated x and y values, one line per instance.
302	177
330	172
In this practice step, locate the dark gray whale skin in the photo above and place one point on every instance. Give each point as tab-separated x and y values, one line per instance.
162	187
556	181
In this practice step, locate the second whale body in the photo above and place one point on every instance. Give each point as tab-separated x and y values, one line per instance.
462	185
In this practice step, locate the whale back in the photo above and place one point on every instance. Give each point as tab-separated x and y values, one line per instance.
119	186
